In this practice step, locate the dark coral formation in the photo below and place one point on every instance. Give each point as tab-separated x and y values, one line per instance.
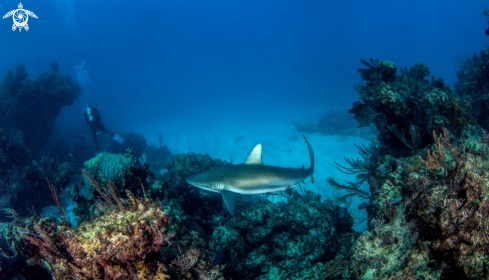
410	107
392	242
452	205
108	247
280	240
378	70
473	85
438	229
118	245
189	204
364	114
303	224
28	109
199	210
32	106
20	173
174	186
124	242
428	210
123	170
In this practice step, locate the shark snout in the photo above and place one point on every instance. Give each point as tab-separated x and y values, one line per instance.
196	180
190	180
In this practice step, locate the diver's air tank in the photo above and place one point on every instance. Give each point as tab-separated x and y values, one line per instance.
90	113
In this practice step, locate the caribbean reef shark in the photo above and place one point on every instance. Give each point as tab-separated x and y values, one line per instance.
251	177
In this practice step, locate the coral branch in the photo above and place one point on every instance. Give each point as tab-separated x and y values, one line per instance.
431	161
103	192
95	184
352	188
55	196
389	210
142	186
184	262
114	193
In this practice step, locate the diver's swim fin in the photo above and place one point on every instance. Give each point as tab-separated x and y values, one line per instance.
118	138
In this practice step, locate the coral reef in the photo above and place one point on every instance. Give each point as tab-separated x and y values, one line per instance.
364	114
280	240
452	206
108	247
197	209
473	85
430	218
124	171
103	167
19	174
378	70
427	203
184	203
125	242
427	209
32	106
27	113
389	251
408	107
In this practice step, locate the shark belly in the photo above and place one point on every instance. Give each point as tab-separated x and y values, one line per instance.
261	189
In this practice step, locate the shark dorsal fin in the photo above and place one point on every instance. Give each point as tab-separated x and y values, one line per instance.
255	156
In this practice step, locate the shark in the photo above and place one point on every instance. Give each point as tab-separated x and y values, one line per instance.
251	177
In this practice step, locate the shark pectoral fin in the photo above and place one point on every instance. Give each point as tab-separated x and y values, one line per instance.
230	201
289	191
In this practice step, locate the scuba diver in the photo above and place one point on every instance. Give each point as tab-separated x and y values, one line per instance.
93	119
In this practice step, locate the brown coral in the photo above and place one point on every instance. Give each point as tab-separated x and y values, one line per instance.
454	211
109	247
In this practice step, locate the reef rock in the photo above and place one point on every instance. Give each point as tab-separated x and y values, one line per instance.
277	240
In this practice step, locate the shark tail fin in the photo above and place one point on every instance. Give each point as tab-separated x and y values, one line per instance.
230	201
311	156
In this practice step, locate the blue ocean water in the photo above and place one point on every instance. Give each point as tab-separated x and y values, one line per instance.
178	65
164	59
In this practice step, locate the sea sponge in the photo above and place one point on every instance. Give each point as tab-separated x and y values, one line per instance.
103	167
